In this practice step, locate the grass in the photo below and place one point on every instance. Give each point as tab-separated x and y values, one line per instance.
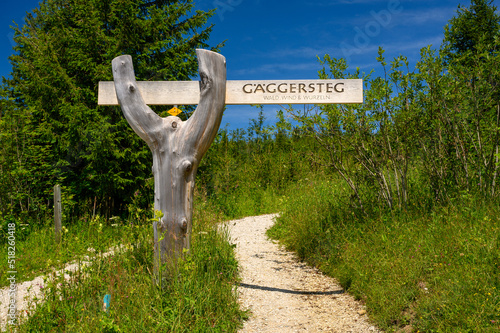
427	270
199	295
248	202
38	254
431	271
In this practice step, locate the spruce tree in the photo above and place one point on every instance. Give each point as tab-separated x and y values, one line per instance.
62	51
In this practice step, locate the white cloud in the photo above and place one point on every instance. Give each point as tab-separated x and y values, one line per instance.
278	68
406	17
424	16
301	52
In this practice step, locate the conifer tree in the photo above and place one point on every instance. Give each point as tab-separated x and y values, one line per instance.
62	51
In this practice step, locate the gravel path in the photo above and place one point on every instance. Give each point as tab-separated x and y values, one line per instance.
285	295
29	293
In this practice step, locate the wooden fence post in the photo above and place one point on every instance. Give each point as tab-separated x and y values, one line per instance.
57	213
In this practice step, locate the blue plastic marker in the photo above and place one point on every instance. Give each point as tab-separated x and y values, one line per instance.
106	301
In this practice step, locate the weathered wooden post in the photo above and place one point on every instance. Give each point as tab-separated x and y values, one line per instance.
57	213
177	147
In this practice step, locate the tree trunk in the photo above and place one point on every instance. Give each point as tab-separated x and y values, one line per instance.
177	148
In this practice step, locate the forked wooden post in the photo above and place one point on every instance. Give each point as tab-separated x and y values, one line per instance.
177	147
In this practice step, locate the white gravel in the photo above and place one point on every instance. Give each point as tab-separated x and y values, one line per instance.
285	295
282	293
30	293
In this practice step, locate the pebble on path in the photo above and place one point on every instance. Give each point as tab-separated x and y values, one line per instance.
284	294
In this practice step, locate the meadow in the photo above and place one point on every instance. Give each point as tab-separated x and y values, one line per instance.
397	197
436	271
199	295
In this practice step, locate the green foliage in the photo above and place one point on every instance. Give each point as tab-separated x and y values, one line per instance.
199	297
461	118
370	146
141	206
473	28
18	230
437	123
86	236
22	160
396	197
407	219
51	127
245	172
460	101
437	271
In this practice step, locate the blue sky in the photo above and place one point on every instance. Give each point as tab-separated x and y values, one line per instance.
282	39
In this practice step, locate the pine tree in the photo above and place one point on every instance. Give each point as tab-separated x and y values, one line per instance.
62	51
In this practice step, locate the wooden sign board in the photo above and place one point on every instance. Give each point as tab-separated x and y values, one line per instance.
245	92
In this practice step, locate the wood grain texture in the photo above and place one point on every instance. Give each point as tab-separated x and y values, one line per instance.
245	92
57	213
177	147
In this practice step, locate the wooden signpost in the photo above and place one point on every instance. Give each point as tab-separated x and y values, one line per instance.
245	92
178	146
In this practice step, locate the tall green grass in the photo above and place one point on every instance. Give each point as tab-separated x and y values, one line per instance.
248	201
432	270
198	296
37	253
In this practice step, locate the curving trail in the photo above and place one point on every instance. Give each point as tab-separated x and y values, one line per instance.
285	295
29	293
